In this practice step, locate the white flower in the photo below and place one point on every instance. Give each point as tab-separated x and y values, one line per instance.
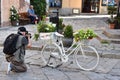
47	28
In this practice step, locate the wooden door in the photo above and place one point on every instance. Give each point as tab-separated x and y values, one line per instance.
91	6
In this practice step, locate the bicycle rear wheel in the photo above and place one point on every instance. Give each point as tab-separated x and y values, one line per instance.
51	55
86	57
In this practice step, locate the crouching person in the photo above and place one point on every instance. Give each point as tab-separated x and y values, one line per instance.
17	61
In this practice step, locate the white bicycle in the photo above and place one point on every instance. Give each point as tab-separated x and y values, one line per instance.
54	53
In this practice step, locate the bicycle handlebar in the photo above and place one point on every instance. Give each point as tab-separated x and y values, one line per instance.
58	34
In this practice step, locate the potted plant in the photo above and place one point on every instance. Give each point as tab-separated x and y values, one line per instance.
117	22
111	21
83	35
14	16
68	36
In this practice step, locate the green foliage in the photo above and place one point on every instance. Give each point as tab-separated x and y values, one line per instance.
105	42
117	19
14	16
43	18
110	20
68	31
111	10
61	25
45	27
39	7
36	36
84	34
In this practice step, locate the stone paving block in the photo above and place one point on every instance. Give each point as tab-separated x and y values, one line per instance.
115	72
76	76
30	53
33	73
88	62
94	76
36	56
109	77
111	54
105	65
54	74
3	66
35	62
117	66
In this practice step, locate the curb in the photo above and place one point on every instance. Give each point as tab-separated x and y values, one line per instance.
114	54
102	53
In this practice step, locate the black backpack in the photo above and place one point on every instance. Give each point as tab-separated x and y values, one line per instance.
9	45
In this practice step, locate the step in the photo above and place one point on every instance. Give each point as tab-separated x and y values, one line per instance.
103	38
112	33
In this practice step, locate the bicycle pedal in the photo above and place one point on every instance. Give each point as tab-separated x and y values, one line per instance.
58	65
71	62
50	65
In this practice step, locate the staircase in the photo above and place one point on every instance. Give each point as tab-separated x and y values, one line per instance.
110	36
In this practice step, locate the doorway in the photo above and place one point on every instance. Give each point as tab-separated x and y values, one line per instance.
90	6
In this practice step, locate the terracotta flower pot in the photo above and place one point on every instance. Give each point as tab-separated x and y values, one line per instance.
112	26
15	23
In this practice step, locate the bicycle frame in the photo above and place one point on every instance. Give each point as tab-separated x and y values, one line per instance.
65	53
72	48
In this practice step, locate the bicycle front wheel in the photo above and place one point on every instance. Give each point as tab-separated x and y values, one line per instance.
51	55
86	57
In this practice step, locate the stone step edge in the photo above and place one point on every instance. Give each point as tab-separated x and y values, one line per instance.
104	38
111	35
102	54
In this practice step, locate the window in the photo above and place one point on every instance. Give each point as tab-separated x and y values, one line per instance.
111	2
108	2
55	3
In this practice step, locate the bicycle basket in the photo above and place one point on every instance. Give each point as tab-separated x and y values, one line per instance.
47	36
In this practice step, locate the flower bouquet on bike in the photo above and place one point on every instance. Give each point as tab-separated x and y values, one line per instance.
84	35
44	30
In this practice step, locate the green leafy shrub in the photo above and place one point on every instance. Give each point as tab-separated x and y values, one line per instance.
68	31
42	26
84	34
61	25
14	16
39	6
45	27
36	36
111	10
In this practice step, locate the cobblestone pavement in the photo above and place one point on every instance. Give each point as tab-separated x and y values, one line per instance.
108	68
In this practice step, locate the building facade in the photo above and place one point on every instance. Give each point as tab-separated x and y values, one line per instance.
66	7
5	5
69	7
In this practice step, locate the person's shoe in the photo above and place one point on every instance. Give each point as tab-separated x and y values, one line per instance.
9	68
